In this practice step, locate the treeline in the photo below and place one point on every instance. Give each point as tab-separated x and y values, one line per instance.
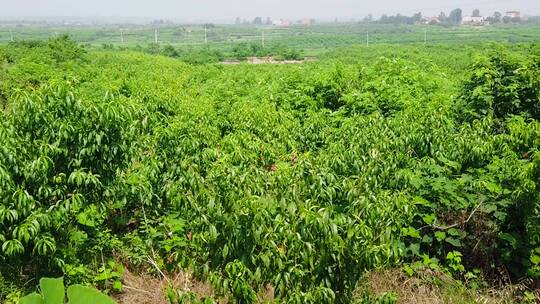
278	51
455	17
203	55
400	19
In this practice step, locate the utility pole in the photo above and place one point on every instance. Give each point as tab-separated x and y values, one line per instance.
205	34
425	37
367	38
11	34
122	36
263	39
156	36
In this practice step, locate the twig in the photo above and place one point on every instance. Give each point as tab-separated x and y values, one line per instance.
136	289
477	243
153	263
435	226
152	260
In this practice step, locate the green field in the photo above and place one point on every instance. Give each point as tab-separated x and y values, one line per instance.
318	37
390	173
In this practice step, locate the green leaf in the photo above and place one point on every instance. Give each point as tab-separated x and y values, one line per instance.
452	164
429	219
415	249
440	235
492	187
453	242
453	232
501	216
511	239
117	285
427	239
83	219
489	208
421	201
33	298
412	232
225	251
408	270
133	179
78	294
52	290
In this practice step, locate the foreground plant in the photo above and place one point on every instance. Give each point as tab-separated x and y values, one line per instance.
53	292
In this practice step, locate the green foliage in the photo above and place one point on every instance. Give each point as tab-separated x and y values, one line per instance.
55	181
78	294
503	84
196	56
279	51
64	49
298	177
53	292
177	297
200	56
455	16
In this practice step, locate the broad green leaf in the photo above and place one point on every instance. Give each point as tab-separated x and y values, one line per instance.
78	294
52	290
33	298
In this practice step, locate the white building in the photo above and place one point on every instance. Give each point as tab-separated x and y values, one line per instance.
281	22
513	14
473	20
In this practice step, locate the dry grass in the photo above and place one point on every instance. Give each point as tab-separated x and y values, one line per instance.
512	293
408	290
266	294
148	289
425	287
430	287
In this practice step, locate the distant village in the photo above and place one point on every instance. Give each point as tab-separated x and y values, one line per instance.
277	22
477	19
455	17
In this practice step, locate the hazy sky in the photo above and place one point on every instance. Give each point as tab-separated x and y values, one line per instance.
225	9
